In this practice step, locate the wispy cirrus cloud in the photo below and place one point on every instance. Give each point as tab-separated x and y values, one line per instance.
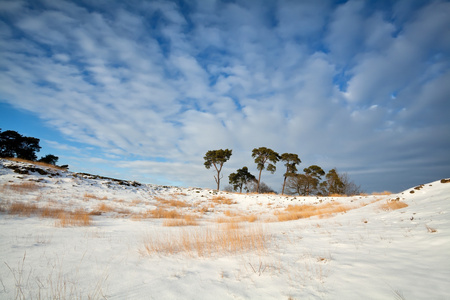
157	84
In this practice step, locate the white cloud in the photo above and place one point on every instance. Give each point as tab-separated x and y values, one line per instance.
160	82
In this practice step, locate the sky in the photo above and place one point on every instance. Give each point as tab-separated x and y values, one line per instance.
141	90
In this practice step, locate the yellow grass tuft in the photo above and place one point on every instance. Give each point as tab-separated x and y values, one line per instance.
295	212
249	218
385	193
77	218
206	242
222	200
64	218
21	188
49	212
187	220
173	202
103	207
393	205
162	213
88	196
23	209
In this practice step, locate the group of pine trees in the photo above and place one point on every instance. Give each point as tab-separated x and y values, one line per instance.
15	145
311	182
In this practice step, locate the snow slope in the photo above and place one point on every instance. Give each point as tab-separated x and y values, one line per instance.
366	252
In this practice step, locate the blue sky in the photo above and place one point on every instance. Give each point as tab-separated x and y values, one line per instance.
142	90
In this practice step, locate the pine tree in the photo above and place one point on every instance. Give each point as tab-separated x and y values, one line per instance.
217	158
262	156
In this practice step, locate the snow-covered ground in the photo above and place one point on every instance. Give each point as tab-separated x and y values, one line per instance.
229	246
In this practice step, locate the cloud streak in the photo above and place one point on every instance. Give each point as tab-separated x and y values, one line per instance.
354	86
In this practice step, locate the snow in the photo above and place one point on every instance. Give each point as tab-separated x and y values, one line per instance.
364	253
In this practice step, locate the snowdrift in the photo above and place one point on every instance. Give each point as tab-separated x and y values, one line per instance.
71	235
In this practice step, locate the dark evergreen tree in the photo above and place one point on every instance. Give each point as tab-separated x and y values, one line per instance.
49	159
241	178
217	158
291	161
13	144
262	156
333	183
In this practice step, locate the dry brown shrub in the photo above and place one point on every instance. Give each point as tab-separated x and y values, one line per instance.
393	205
222	200
295	212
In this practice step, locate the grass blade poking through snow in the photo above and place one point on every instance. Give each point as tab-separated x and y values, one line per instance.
208	241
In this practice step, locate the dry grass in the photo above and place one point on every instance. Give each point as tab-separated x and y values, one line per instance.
385	193
76	218
158	213
88	196
295	212
393	205
249	218
64	218
337	195
21	188
37	163
49	212
205	208
233	217
206	242
162	213
222	200
23	209
187	220
172	202
103	207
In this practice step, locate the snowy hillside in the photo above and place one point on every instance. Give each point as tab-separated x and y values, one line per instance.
68	235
